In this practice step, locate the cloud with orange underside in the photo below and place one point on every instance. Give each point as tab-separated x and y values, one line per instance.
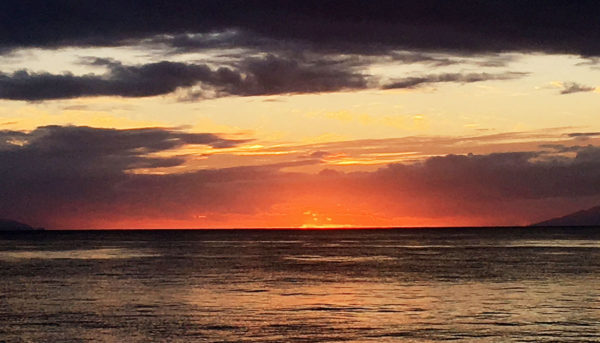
74	177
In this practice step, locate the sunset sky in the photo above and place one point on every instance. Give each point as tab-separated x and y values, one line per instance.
242	114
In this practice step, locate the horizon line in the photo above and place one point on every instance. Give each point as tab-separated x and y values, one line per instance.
341	228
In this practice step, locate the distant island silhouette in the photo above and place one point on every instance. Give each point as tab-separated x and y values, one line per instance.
13	225
589	217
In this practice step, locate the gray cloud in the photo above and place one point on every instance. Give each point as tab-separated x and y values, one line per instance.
583	134
573	87
592	62
413	82
252	76
273	75
71	150
560	148
523	185
128	81
442	60
318	154
419	57
495	61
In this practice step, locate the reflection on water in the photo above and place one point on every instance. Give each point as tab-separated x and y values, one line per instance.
90	254
301	286
341	259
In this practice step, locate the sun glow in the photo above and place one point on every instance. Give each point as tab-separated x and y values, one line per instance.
316	220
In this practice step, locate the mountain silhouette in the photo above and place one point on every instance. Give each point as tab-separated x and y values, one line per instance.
13	225
589	217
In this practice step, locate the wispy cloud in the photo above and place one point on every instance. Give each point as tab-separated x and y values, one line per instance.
416	81
573	87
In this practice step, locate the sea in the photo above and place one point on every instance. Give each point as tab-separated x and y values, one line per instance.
393	285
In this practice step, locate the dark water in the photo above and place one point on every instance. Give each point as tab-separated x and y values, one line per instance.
476	285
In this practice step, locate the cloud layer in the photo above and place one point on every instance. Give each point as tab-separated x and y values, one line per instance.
52	155
72	176
251	76
466	27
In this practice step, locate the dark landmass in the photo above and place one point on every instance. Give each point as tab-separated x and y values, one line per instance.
589	217
12	225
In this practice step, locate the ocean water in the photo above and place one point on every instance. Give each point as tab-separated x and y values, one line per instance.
434	285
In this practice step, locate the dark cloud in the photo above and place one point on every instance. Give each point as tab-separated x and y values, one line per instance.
470	185
466	26
273	75
416	81
507	176
224	40
71	149
506	188
252	76
54	174
229	44
128	81
573	87
56	171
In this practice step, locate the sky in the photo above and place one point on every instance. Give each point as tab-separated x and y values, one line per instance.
247	114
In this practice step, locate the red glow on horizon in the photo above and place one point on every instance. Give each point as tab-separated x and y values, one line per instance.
302	213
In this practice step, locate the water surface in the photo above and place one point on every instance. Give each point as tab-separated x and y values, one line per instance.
477	285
